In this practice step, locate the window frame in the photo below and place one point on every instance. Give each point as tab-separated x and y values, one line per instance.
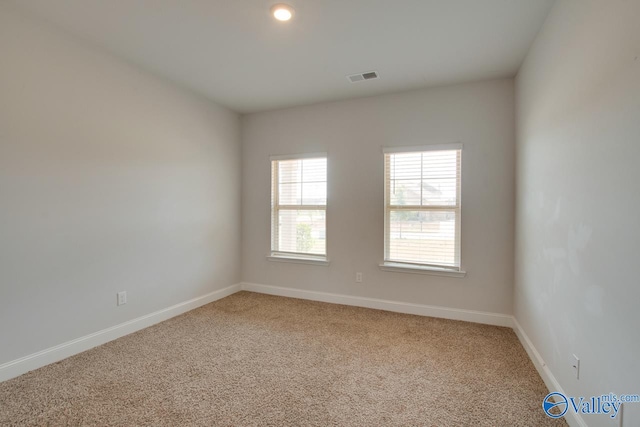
389	264
275	254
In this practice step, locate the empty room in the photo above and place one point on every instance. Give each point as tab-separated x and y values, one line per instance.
319	213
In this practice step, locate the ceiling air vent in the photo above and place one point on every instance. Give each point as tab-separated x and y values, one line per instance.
370	75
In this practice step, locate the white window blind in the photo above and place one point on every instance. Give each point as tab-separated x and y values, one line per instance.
299	207
422	207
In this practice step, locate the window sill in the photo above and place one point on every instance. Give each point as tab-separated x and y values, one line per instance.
298	260
416	269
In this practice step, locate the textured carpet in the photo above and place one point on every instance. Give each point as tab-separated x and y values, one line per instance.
252	359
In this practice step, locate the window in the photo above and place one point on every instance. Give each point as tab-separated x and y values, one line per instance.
422	207
299	207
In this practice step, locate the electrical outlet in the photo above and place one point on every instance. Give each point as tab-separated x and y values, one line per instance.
122	298
575	364
358	277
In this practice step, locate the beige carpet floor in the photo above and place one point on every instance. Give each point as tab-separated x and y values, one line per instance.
252	359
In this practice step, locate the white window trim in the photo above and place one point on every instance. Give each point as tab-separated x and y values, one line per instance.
298	156
297	257
399	267
415	268
419	148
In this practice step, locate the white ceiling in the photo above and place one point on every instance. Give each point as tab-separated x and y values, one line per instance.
234	53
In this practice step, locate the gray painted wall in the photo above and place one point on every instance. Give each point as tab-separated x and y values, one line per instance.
480	115
110	179
578	204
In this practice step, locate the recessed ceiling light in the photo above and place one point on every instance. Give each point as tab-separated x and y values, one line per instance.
282	12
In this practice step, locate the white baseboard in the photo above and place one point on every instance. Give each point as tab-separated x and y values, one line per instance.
388	305
62	351
54	354
549	379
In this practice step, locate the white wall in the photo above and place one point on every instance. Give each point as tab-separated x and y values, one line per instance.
110	179
578	204
480	115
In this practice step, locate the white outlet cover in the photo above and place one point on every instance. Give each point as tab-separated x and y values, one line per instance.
575	364
122	298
